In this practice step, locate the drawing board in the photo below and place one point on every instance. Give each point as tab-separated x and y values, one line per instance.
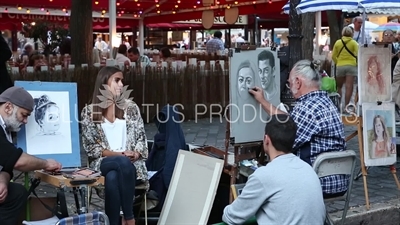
260	68
192	190
52	130
379	134
374	73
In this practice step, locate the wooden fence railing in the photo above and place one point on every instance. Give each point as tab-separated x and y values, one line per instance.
193	89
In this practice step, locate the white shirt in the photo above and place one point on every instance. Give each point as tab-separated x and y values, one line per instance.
361	40
115	134
240	40
8	133
119	58
102	45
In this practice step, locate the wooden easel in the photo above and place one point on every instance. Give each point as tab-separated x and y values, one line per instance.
357	121
241	152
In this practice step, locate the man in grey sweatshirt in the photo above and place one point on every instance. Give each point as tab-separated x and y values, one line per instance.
286	190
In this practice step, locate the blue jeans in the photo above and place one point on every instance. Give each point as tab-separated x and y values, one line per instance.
120	181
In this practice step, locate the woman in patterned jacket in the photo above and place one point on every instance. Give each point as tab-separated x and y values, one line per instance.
114	138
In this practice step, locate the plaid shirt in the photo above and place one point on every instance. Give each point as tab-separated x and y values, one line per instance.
144	60
320	129
214	45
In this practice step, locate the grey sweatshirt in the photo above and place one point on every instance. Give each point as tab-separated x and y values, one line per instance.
285	191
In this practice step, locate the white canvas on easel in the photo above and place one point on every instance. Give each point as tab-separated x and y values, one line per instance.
192	190
52	130
246	71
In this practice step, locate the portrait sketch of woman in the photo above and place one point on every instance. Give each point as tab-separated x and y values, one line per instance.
379	135
47	116
48	128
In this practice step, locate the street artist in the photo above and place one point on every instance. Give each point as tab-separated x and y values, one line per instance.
320	128
16	105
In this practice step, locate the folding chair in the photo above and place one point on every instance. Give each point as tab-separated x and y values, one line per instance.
93	218
337	163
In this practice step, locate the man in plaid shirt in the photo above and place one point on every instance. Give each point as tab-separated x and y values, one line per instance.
320	128
134	56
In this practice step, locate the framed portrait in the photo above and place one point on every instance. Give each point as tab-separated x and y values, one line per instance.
248	69
374	76
379	134
52	130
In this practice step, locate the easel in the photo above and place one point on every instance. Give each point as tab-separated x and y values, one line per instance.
357	121
241	152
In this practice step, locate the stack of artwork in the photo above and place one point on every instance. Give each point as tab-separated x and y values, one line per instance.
52	130
378	110
260	68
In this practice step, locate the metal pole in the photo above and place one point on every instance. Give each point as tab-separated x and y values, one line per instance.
112	24
141	36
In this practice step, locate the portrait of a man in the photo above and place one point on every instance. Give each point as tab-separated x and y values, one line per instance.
266	72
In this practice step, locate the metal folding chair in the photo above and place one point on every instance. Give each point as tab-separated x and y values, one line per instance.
93	218
337	163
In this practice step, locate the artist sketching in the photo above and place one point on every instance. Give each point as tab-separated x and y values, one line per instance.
266	71
275	193
245	79
115	141
16	105
320	128
382	145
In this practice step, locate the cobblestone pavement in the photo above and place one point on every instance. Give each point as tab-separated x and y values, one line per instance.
381	185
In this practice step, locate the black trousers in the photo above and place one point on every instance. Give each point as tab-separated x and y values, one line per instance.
12	207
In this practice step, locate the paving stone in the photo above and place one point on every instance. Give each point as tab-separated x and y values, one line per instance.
381	185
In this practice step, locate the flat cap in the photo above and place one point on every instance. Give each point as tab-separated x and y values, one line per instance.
19	97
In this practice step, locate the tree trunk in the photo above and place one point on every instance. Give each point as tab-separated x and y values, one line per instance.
295	48
81	30
334	30
308	35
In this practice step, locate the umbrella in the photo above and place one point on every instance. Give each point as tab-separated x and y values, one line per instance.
380	4
306	6
388	26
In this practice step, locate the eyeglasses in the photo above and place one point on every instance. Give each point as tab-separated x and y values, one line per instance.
390	35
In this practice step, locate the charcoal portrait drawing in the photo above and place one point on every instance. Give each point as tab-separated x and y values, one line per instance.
249	69
48	126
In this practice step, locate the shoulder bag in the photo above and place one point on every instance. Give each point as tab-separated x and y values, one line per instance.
344	45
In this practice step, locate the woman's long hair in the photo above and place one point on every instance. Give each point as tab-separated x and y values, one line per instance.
102	79
384	128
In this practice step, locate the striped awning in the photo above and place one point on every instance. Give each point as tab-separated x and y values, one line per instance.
389	7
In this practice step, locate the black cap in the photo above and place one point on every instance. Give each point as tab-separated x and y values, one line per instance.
19	97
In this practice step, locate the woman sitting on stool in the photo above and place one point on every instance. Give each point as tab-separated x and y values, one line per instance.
114	138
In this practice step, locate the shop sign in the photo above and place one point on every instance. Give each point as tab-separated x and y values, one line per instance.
242	20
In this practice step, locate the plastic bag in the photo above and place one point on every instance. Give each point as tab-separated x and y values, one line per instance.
328	84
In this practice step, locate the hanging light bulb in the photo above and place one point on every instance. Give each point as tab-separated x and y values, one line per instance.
122	12
118	3
173	12
176	6
102	15
103	11
50	0
178	1
194	6
119	14
19	7
47	12
158	11
96	2
64	10
228	7
66	13
138	4
236	2
42	9
5	10
157	5
28	11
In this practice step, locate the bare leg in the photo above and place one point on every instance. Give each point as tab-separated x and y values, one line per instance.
339	85
349	88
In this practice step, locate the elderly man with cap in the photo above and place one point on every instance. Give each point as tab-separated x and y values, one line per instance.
16	104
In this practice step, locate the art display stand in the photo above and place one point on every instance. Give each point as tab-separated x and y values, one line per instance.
241	152
358	122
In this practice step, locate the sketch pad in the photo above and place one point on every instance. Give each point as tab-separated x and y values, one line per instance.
192	190
52	130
